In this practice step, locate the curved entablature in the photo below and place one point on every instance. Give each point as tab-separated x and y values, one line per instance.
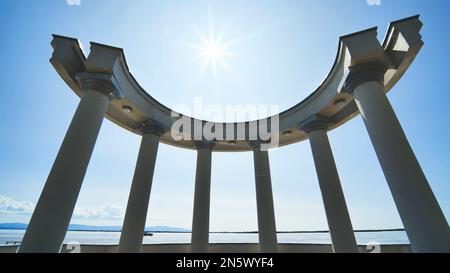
331	100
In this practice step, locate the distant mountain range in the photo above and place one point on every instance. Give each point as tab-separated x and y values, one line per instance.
20	226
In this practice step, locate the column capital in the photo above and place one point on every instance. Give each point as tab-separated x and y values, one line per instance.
103	83
204	144
256	144
315	122
363	73
151	126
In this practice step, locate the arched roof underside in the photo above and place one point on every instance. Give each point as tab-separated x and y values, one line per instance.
398	50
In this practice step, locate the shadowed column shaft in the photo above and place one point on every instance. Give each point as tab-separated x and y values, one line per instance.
51	217
200	222
264	201
339	222
425	224
136	214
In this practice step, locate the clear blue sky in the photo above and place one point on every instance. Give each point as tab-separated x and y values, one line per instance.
283	51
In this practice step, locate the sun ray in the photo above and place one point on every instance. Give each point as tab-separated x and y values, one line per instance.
228	44
205	64
222	61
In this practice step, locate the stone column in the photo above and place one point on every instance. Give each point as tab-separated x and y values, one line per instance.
200	221
339	222
136	214
48	226
422	217
264	200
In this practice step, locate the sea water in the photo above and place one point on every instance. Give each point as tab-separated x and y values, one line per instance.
112	238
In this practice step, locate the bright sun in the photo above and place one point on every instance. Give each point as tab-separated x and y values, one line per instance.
213	51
